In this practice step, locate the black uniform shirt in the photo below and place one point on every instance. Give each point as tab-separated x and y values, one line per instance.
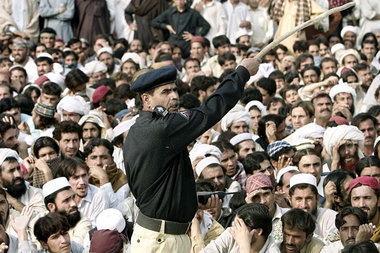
156	160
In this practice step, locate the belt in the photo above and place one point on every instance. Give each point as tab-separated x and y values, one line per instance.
171	227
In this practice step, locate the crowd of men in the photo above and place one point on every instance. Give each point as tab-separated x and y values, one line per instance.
121	120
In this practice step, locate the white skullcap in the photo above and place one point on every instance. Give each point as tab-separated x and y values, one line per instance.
54	185
124	126
285	170
303	179
111	219
204	163
349	28
16	66
202	150
239	33
334	135
56	78
45	55
94	67
134	57
105	50
236	114
336	48
7	152
94	116
342	88
265	69
348	52
74	104
241	137
259	105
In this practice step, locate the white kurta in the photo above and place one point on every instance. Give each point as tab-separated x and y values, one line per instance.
262	28
368	9
235	16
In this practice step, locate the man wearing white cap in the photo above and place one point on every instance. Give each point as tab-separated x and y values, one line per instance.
350	33
72	108
105	55
59	198
237	120
44	63
283	181
344	98
96	71
243	144
304	195
20	193
21	56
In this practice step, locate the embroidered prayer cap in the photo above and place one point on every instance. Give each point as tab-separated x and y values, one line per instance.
285	170
276	147
155	78
257	181
111	219
205	162
303	179
54	185
99	93
45	110
240	138
367	181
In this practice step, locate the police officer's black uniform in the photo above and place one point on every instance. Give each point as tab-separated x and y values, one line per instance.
156	160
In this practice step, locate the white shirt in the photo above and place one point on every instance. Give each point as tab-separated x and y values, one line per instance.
115	197
262	28
31	70
325	224
214	14
235	16
19	13
95	201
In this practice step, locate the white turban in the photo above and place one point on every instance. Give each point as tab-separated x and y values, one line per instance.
201	150
7	152
75	104
56	78
310	130
236	114
336	48
94	116
334	135
94	67
348	52
349	28
259	105
342	88
134	57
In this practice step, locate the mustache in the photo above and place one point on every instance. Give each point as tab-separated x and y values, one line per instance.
17	178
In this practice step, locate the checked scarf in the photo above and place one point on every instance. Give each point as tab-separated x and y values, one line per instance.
303	11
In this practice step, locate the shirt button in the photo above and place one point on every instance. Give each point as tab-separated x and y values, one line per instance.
138	240
159	240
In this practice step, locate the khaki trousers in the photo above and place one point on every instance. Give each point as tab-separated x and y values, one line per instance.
145	240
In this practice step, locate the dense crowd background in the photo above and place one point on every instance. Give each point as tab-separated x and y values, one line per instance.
305	134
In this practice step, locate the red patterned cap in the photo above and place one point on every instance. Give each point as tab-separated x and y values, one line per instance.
257	181
99	93
367	181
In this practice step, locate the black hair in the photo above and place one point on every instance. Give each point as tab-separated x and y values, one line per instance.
267	84
238	200
43	142
328	59
250	164
95	142
50	224
288	88
277	119
51	197
360	247
223	146
298	219
226	136
115	105
361	66
228	56
30	90
250	94
68	166
338	177
124	91
363	117
75	78
311	67
365	162
290	75
301	45
302	187
350	210
7	104
301	58
51	88
189	101
220	40
67	126
256	215
277	74
201	83
26	103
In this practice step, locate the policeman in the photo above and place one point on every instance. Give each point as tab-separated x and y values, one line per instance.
156	160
